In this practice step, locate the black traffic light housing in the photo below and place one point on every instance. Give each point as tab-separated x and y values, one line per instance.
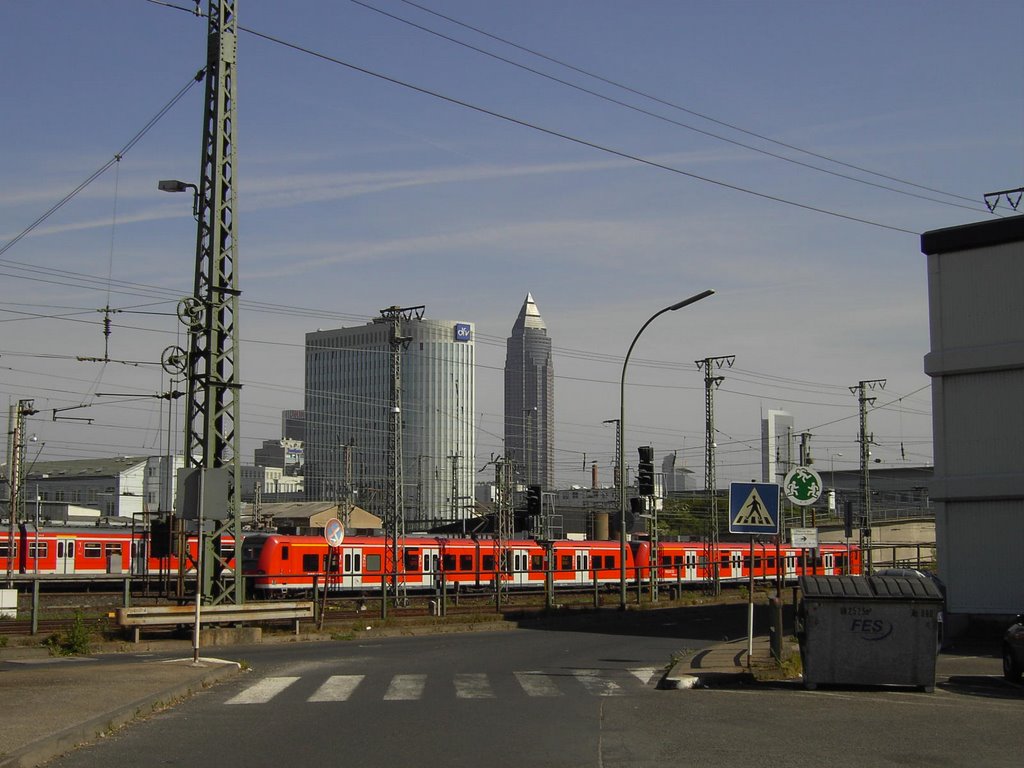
533	505
645	471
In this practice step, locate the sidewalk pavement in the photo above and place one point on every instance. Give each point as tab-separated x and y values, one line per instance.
49	705
727	663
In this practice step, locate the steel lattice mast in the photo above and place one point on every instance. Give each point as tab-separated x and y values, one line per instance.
711	383
394	511
212	421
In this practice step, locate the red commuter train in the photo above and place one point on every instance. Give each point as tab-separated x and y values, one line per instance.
90	551
275	564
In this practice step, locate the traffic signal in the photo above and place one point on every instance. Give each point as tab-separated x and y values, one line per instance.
645	471
533	500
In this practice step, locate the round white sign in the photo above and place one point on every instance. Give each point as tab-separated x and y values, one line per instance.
802	486
334	532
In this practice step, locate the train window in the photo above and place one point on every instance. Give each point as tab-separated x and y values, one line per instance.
112	548
488	563
771	562
677	560
357	563
537	562
746	561
465	562
284	552
724	561
310	563
412	561
426	563
43	548
449	562
373	562
566	563
92	549
757	562
348	562
5	548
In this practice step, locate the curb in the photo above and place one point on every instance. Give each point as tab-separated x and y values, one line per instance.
56	744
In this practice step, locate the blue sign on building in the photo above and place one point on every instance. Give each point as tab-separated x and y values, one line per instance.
463	332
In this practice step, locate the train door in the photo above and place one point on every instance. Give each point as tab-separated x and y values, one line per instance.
65	555
690	566
351	567
582	565
139	557
736	565
430	559
790	566
520	566
829	563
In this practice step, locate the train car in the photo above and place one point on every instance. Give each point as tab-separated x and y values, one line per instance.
277	564
86	551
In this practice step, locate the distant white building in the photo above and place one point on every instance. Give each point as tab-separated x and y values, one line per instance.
128	487
777	456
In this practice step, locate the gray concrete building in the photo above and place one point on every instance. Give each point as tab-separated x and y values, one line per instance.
530	399
976	363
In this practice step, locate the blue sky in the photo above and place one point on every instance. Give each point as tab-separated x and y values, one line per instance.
357	193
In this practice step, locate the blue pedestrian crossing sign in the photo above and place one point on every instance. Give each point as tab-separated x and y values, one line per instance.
753	508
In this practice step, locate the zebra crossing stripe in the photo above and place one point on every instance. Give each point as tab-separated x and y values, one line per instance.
263	691
405	688
596	685
537	684
646	675
337	688
472	686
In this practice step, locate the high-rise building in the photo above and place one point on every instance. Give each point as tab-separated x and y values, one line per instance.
530	399
349	412
777	456
293	425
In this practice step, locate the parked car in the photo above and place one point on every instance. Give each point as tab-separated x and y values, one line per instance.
914	573
1013	651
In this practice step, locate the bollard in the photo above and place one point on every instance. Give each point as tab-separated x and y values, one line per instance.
776	629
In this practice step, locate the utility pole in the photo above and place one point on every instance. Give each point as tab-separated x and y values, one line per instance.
212	437
455	487
347	497
866	441
394	512
16	475
711	383
504	519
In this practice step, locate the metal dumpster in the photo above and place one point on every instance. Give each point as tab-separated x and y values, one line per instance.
873	630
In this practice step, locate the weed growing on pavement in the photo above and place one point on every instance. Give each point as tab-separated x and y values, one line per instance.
74	641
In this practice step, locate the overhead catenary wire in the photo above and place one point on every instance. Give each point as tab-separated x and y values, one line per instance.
681	108
107	165
678	123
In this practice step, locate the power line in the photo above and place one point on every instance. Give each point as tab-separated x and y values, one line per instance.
681	108
567	137
657	116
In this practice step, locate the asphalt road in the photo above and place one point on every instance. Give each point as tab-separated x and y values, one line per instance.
556	698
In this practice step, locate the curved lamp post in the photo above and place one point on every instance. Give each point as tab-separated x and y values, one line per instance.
622	440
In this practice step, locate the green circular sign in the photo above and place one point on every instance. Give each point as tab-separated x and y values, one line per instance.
802	486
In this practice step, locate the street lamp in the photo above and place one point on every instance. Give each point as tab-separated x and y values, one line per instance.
173	185
622	440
